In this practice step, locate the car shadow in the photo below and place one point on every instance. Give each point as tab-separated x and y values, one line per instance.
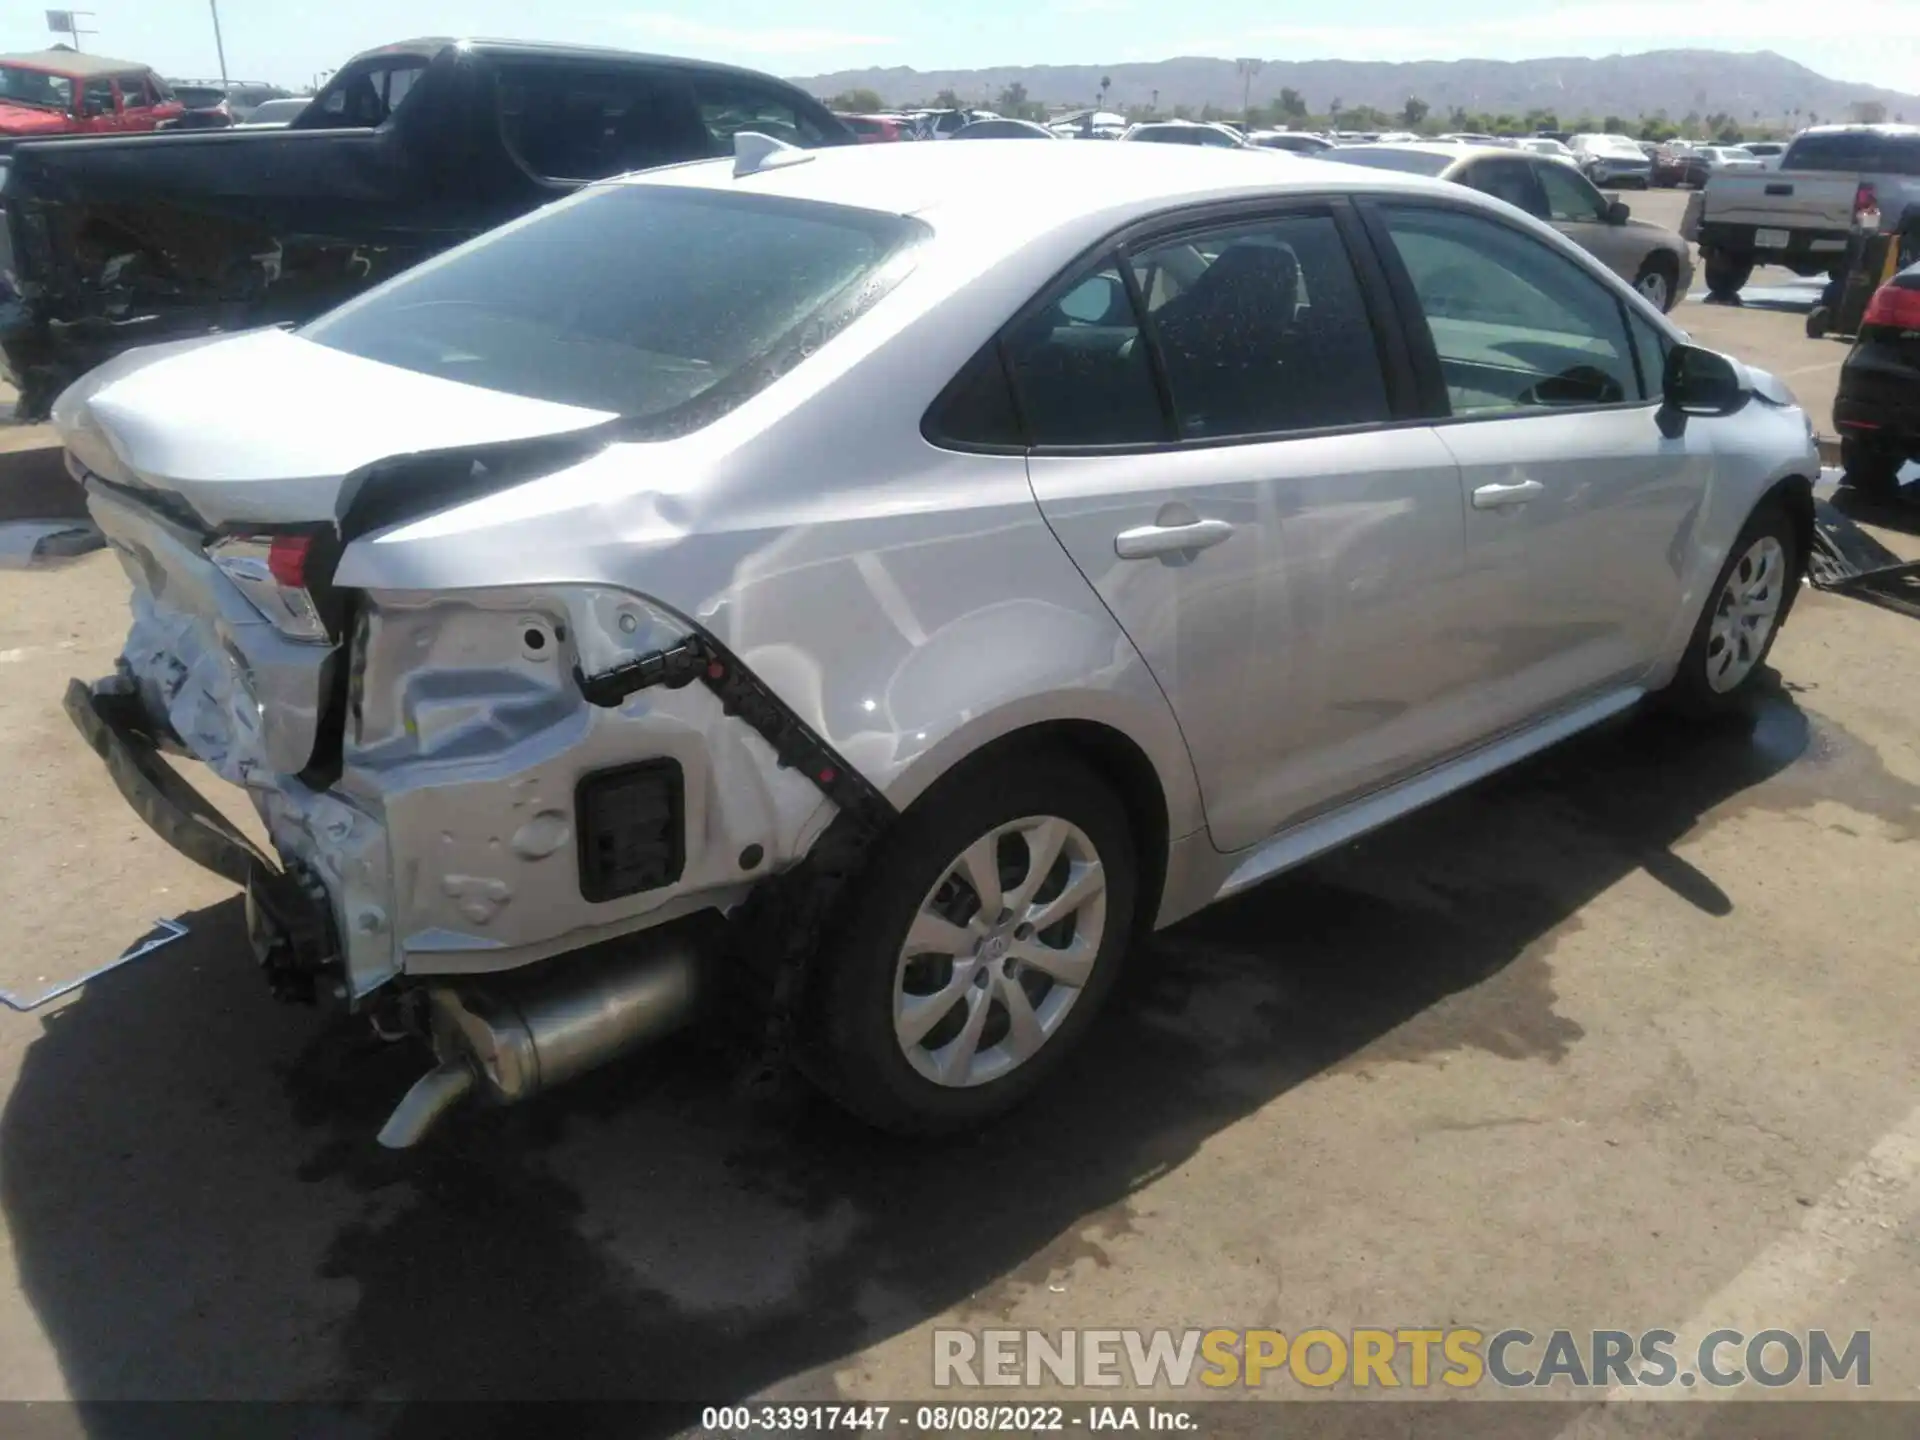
1900	511
197	1208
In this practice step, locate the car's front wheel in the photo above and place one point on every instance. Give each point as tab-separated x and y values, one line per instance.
1736	631
978	947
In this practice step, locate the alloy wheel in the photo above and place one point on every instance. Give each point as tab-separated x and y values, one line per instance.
999	951
1745	614
1655	287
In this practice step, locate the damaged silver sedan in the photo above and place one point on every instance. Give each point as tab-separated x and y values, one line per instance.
880	587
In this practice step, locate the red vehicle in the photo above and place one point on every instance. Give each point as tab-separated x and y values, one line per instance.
875	129
63	92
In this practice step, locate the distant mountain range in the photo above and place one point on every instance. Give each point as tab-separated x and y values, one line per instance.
1753	86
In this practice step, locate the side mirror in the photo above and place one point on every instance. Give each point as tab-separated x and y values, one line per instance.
1701	382
1618	213
92	109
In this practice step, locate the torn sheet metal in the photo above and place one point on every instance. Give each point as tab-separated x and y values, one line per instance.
164	932
36	544
1848	561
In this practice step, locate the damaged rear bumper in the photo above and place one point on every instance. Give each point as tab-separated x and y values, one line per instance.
288	920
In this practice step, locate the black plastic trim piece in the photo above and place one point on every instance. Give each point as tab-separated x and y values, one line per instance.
744	696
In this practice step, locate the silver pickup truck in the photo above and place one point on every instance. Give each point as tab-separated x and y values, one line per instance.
1833	180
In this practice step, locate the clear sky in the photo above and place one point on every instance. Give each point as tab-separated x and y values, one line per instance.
1874	41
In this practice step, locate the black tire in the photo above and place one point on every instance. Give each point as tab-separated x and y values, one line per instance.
1727	275
1819	321
1690	693
1663	266
855	1055
1869	468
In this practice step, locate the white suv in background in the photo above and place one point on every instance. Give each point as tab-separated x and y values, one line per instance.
1612	159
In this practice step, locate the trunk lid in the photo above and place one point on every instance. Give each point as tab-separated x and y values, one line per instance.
1780	200
191	447
266	427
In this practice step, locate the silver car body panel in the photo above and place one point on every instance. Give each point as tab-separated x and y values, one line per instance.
909	603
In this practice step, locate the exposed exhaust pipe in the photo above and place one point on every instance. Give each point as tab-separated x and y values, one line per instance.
510	1039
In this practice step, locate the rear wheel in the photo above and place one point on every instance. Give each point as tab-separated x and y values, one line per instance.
1737	629
1872	469
978	948
1727	274
1659	277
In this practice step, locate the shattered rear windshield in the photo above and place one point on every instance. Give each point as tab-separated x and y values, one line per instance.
666	306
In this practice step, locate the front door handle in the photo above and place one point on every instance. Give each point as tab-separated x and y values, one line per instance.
1492	497
1151	540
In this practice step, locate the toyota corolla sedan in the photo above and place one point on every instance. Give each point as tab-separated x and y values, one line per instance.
858	594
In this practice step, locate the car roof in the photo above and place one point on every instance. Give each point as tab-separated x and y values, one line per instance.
547	50
74	63
1023	190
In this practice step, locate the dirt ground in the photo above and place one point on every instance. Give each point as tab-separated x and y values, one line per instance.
1624	1038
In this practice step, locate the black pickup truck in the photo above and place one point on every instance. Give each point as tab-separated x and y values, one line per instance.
122	240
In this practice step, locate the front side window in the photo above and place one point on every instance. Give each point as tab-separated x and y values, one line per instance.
1262	330
565	123
1080	368
1516	326
729	106
661	305
1570	197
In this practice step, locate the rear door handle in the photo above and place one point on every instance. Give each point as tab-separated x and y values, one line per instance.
1492	497
1150	540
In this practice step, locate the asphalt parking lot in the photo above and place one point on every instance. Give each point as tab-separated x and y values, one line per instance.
1623	1038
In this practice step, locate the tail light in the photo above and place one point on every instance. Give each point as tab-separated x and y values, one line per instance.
1896	307
271	571
1866	208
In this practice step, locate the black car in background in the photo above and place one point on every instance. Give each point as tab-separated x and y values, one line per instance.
408	150
208	108
1877	410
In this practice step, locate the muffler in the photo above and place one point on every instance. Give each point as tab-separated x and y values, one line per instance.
510	1038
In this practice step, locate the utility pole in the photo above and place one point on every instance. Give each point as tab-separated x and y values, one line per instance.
219	47
1248	69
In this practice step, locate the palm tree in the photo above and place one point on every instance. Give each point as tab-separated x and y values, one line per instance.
1106	82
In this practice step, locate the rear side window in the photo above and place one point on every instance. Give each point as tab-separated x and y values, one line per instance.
728	106
565	123
97	98
666	306
1516	326
1900	155
977	410
364	97
1080	368
1509	180
1262	329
